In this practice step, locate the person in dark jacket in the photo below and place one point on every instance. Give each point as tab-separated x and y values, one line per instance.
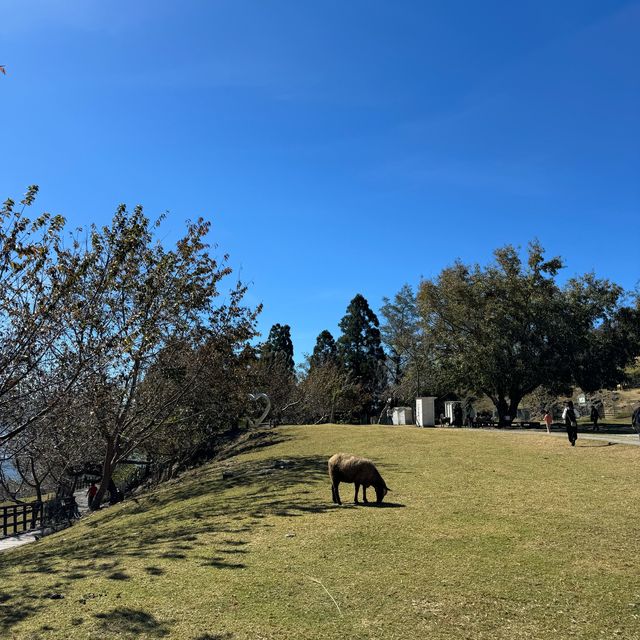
635	420
595	416
571	423
457	415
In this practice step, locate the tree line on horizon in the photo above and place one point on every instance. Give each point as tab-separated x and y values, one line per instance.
117	353
500	332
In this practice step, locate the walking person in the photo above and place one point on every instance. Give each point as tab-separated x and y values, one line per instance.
548	420
635	420
457	415
595	416
91	494
571	423
469	420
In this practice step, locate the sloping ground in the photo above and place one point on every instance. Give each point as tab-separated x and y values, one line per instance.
624	401
487	535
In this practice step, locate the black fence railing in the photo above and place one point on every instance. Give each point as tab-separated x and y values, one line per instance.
27	516
17	518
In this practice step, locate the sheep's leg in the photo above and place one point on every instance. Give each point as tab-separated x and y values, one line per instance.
364	494
334	493
355	500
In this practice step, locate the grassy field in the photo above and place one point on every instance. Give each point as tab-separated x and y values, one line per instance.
487	535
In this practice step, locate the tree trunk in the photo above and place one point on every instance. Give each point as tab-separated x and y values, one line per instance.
506	408
107	472
514	403
503	410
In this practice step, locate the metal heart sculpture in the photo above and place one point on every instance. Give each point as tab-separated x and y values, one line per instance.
257	397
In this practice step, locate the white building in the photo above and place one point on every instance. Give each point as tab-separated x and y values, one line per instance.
402	415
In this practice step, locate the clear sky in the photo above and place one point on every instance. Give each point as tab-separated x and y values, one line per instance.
339	146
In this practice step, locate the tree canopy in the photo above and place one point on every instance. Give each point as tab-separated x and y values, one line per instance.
509	328
403	335
110	341
279	347
325	350
360	351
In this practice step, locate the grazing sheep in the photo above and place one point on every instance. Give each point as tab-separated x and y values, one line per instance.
360	471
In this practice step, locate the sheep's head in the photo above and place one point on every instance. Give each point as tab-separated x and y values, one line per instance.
381	492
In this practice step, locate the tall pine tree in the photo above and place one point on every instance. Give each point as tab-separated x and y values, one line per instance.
361	352
279	347
325	351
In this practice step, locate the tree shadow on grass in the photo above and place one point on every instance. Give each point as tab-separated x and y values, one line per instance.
220	563
253	441
16	610
212	508
119	575
132	622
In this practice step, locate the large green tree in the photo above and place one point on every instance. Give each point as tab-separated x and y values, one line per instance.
325	350
361	353
141	319
509	328
603	348
279	346
404	337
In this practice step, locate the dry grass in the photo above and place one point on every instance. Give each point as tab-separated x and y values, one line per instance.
488	535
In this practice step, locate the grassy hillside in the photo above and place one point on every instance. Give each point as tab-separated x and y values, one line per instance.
487	535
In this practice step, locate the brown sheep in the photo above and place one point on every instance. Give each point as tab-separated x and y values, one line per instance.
360	471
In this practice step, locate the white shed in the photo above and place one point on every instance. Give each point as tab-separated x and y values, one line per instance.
402	415
425	411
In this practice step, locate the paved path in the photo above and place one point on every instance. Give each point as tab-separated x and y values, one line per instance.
30	536
614	438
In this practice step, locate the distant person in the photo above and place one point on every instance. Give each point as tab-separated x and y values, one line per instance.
595	416
74	511
469	420
36	512
457	415
91	494
570	422
635	420
548	420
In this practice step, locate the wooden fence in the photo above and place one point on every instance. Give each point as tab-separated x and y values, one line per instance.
17	518
26	516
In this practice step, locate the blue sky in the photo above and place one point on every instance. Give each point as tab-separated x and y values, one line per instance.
339	146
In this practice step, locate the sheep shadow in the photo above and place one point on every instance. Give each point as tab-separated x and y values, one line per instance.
595	444
369	505
383	505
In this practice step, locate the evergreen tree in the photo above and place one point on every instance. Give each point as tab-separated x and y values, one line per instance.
325	351
361	352
279	348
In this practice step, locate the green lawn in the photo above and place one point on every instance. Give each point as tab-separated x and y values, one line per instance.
486	535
